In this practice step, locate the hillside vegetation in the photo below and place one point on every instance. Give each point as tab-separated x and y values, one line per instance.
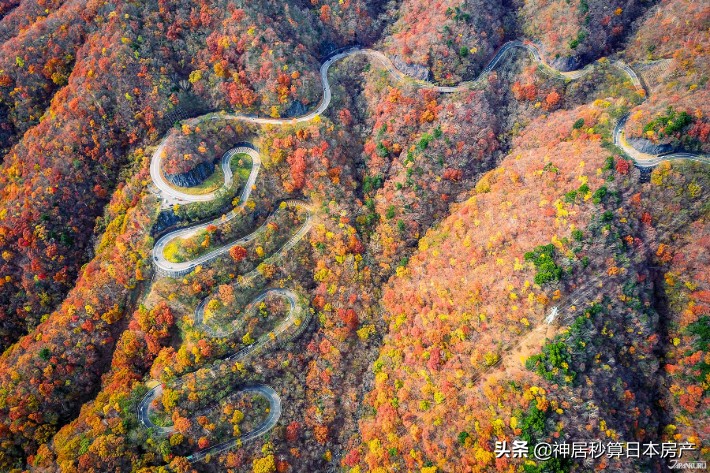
394	284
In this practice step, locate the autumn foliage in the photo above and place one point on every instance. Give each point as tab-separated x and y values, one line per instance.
480	266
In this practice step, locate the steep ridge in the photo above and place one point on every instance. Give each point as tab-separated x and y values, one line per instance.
576	32
675	38
530	48
449	41
30	259
127	84
469	309
69	161
16	15
36	63
443	89
176	269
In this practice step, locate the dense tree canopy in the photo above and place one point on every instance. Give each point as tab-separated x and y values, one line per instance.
476	266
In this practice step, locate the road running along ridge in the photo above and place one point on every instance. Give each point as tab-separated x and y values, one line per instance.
172	195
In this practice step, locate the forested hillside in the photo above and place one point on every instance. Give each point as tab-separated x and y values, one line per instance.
351	235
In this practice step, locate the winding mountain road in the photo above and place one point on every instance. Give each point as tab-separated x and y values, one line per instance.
167	268
294	319
263	428
645	160
171	195
173	269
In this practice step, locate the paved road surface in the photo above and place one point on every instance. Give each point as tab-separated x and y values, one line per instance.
171	269
267	392
171	195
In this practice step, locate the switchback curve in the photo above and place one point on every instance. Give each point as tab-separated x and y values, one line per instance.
296	317
171	195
